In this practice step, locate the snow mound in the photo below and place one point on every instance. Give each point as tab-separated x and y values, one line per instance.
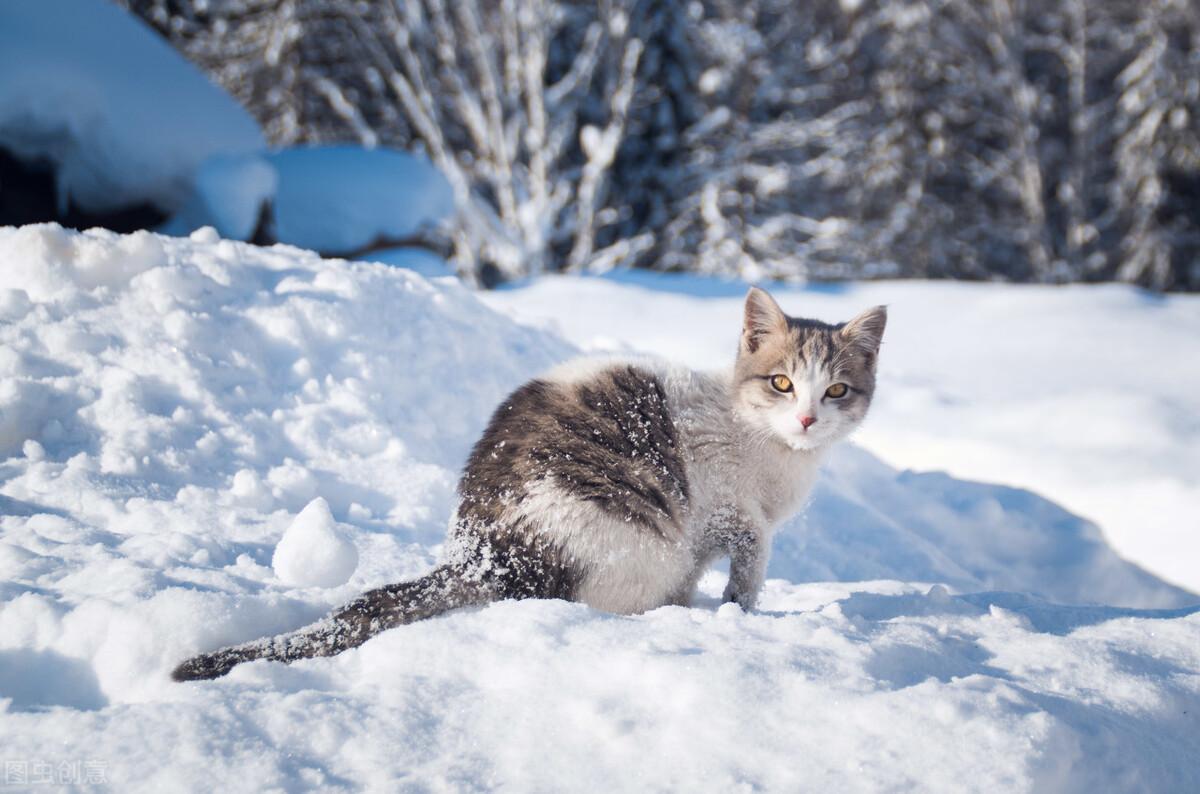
333	199
342	198
122	116
313	552
167	406
229	193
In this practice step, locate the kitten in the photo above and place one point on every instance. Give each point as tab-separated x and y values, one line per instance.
618	482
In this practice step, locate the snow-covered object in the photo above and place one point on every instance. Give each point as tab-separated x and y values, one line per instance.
123	117
229	193
418	260
333	199
342	198
168	405
313	552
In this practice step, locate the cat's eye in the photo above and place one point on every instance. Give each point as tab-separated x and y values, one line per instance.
836	390
781	383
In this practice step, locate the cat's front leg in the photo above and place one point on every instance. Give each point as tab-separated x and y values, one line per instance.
739	537
747	573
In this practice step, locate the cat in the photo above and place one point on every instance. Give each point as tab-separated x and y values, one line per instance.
617	482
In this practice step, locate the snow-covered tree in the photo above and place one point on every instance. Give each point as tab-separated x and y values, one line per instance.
292	63
1043	140
1156	134
523	103
962	138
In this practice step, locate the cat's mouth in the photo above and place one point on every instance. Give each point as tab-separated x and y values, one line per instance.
804	441
820	435
801	439
795	436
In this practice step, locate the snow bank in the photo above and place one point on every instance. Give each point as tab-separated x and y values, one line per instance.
168	409
123	117
868	521
1084	394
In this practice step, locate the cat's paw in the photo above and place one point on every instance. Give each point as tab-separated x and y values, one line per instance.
734	595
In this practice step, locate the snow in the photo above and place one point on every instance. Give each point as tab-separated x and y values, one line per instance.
176	412
418	260
342	198
313	552
124	117
228	194
1085	394
337	199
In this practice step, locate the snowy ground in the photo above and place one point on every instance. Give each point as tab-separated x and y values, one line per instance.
169	407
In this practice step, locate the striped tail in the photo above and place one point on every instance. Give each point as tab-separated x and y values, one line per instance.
439	591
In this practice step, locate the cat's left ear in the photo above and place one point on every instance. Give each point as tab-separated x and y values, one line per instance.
762	318
866	330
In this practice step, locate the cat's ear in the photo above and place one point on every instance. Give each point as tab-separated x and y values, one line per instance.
866	330
762	318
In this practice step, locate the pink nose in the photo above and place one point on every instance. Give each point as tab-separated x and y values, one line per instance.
808	421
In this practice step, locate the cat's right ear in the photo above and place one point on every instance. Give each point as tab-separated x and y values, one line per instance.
866	330
762	318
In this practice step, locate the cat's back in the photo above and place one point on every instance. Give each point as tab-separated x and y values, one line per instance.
594	431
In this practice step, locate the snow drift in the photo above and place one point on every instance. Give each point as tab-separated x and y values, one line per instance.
169	407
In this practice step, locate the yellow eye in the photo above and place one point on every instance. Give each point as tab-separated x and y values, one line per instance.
836	390
781	383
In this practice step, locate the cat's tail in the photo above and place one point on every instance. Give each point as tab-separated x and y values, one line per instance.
445	588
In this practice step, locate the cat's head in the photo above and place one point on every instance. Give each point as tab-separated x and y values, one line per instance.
806	382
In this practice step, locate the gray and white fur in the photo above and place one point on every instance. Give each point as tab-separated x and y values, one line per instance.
618	482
